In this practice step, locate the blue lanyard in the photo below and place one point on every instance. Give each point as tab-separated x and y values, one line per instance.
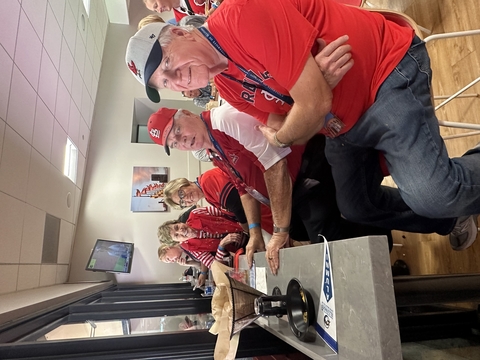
219	149
248	73
254	77
224	160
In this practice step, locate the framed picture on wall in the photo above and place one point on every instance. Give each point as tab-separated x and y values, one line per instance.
147	188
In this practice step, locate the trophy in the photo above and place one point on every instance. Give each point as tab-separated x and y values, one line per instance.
248	304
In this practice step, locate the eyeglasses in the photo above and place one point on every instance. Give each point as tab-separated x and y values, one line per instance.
181	195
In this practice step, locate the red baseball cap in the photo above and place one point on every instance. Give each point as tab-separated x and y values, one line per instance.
160	125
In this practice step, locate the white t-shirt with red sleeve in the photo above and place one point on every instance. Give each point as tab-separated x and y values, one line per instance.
249	152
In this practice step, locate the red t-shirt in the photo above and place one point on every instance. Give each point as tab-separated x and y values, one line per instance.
275	38
216	186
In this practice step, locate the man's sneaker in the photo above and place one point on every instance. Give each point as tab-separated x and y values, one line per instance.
464	233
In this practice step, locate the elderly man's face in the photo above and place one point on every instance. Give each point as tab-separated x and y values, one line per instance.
192	93
173	254
188	133
161	5
187	63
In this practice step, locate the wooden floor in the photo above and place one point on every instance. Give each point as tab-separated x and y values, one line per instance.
455	63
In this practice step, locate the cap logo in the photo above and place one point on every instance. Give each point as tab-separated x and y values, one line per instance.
152	36
133	69
155	133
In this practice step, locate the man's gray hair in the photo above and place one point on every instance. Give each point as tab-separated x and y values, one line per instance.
193	20
178	115
165	37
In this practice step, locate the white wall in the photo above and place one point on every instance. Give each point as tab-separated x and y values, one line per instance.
105	208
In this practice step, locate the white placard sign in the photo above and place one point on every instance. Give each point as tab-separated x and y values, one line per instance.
326	325
261	279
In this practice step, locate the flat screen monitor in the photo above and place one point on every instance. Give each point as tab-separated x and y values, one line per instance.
111	256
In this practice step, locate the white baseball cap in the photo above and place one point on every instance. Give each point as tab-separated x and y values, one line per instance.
144	55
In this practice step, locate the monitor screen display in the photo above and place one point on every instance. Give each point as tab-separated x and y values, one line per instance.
112	256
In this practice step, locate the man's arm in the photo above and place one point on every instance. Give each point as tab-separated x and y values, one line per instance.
192	263
313	100
279	186
203	275
253	214
334	61
205	258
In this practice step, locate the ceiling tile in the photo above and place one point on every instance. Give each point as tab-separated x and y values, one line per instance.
66	241
47	86
21	105
2	134
9	17
79	54
11	222
74	123
38	181
59	142
43	129
36	11
6	76
14	165
52	38
58	8
62	109
28	51
83	137
66	65
70	29
32	236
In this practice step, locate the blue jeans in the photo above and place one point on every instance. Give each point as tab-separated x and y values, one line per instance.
432	189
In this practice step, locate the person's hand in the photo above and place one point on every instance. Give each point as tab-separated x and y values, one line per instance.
334	59
268	132
182	261
272	255
214	91
231	238
255	243
210	11
201	280
211	104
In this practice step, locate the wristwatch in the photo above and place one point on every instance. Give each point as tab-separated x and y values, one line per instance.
277	229
279	143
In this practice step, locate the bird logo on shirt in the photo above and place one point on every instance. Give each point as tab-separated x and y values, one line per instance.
233	158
